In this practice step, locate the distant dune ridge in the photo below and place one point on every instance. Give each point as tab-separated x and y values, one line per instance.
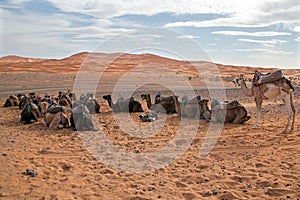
71	64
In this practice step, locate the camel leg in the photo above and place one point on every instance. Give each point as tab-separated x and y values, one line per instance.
45	120
290	110
293	110
54	123
258	103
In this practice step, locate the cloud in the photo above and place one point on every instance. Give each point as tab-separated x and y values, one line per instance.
266	51
254	34
220	22
122	7
251	14
269	42
296	29
297	39
187	37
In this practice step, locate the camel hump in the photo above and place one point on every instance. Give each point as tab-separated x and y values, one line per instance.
13	97
271	77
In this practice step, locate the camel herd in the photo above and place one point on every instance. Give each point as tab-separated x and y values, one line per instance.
59	112
66	110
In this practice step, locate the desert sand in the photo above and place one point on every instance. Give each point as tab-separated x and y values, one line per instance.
245	163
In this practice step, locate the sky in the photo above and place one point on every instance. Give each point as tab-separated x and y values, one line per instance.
258	33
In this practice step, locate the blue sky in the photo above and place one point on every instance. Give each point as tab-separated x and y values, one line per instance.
249	33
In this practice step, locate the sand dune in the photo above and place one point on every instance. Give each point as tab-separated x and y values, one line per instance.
245	163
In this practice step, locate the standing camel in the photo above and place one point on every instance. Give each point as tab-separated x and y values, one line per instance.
268	90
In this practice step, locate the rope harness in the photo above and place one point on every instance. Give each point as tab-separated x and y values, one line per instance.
256	77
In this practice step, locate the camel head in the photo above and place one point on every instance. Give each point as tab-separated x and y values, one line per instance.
147	97
205	112
242	78
43	107
143	96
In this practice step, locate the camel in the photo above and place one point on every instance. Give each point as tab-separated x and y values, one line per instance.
25	99
30	112
93	106
64	100
189	107
91	103
12	100
79	118
54	116
269	90
166	104
124	105
228	112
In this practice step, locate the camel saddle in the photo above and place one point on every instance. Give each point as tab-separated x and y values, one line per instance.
268	78
217	105
55	109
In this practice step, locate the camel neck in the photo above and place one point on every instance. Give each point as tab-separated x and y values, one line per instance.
246	91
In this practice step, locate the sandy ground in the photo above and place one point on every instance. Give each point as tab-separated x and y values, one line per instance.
245	163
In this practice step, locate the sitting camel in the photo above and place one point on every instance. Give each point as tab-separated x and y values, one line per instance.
64	100
25	99
12	100
79	118
54	116
91	103
93	106
228	112
194	108
30	113
169	104
124	105
269	86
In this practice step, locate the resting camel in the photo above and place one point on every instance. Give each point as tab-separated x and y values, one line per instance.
124	105
30	112
12	100
228	112
189	108
79	118
91	103
269	90
64	100
25	99
169	104
54	116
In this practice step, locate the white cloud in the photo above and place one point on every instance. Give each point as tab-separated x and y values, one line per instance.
254	34
272	42
296	29
220	22
187	37
266	51
122	7
297	39
251	14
